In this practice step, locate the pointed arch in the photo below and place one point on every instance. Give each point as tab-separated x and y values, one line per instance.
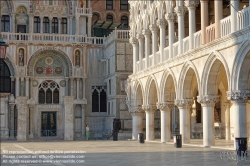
188	65
137	101
151	79
215	55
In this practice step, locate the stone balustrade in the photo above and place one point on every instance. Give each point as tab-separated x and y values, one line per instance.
83	11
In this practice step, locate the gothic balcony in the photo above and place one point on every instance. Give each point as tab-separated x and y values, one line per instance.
83	11
38	38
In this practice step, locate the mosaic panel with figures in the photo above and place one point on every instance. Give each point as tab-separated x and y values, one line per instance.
49	66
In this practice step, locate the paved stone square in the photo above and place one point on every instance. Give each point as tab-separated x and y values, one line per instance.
114	153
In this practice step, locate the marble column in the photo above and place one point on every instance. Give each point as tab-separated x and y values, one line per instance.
77	24
153	29
204	20
191	5
218	12
13	23
150	117
89	25
184	111
137	121
180	11
31	22
165	108
22	118
27	80
41	24
68	118
59	25
50	25
141	52
12	118
239	99
146	33
170	17
22	86
134	43
12	84
227	120
70	25
162	25
208	103
31	121
71	86
17	86
83	88
77	88
83	121
67	86
234	7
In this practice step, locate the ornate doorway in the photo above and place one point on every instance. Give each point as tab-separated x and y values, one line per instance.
48	126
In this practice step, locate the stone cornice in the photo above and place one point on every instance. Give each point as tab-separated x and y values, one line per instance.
208	101
165	106
238	96
183	103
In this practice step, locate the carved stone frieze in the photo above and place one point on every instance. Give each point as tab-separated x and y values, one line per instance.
165	106
183	103
238	96
208	101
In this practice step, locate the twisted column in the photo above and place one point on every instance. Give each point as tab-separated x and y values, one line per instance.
165	108
208	103
184	110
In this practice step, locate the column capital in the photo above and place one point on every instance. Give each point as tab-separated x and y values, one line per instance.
153	27
139	36
180	10
149	108
136	111
146	32
183	103
191	4
31	14
208	101
13	14
204	1
170	17
238	96
165	106
41	17
133	40
161	23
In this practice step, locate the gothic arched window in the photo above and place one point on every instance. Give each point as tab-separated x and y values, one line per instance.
5	81
48	92
99	99
5	21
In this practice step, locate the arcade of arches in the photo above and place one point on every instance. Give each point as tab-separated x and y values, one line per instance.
210	95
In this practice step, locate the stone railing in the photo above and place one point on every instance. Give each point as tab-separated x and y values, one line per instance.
118	34
83	11
210	31
225	26
51	38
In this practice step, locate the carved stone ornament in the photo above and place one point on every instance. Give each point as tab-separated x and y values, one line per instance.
146	32
180	10
153	27
139	36
183	103
133	40
164	106
241	95
149	108
208	101
63	83
34	83
170	16
136	110
161	23
192	3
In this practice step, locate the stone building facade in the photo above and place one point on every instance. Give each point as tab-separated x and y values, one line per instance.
193	56
54	80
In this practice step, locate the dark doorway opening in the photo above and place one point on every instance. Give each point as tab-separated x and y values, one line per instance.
48	126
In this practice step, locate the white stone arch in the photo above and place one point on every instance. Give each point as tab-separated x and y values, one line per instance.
146	21
237	83
165	80
161	9
185	69
149	91
211	62
136	97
